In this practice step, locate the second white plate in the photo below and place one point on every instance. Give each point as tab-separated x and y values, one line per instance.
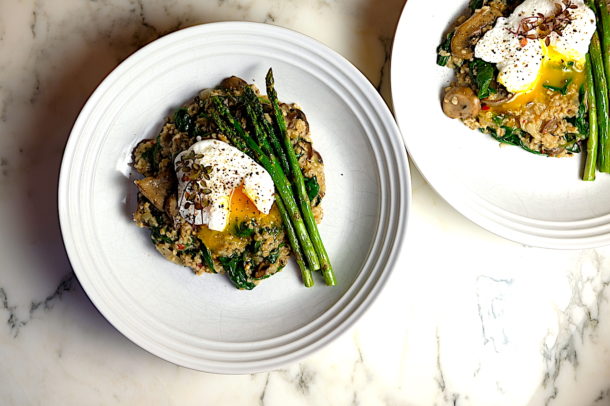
531	199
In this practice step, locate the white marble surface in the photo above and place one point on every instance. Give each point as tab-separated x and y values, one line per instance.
467	319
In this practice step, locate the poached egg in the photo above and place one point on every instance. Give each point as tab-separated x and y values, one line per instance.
527	54
218	184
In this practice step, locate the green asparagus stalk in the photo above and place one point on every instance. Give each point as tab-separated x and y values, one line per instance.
292	237
279	179
306	274
252	99
590	163
299	183
603	25
601	95
258	132
227	131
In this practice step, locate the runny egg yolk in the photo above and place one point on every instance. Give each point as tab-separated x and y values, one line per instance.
241	209
557	71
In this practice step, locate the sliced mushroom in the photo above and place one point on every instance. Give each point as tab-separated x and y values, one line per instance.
316	157
469	32
498	99
233	83
553	151
171	206
262	269
294	115
461	102
155	189
549	126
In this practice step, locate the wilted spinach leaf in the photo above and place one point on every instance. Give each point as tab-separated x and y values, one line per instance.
234	268
183	121
152	155
312	186
273	255
255	246
207	256
443	48
157	237
243	229
483	73
205	253
475	4
512	136
572	144
580	120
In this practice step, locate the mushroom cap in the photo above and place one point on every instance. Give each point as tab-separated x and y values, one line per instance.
461	102
467	34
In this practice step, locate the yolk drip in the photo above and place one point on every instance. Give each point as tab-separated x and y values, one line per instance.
556	71
241	209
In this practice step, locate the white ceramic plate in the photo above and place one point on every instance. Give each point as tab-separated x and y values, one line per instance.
531	199
203	322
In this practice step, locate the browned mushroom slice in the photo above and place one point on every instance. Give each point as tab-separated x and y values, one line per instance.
501	97
549	126
461	102
171	206
294	115
155	190
233	83
469	32
315	156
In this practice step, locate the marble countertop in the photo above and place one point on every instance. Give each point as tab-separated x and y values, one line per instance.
467	319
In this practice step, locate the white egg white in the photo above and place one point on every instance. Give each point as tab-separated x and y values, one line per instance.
519	61
227	169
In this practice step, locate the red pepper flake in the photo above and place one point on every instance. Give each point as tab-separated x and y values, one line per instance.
180	246
484	107
523	42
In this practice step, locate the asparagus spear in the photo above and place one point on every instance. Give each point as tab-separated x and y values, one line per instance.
603	25
294	243
251	99
279	179
601	95
299	183
292	237
258	132
589	172
226	130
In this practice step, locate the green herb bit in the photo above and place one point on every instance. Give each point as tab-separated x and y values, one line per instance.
255	246
563	89
157	234
443	49
243	229
572	143
312	186
580	121
498	119
273	255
